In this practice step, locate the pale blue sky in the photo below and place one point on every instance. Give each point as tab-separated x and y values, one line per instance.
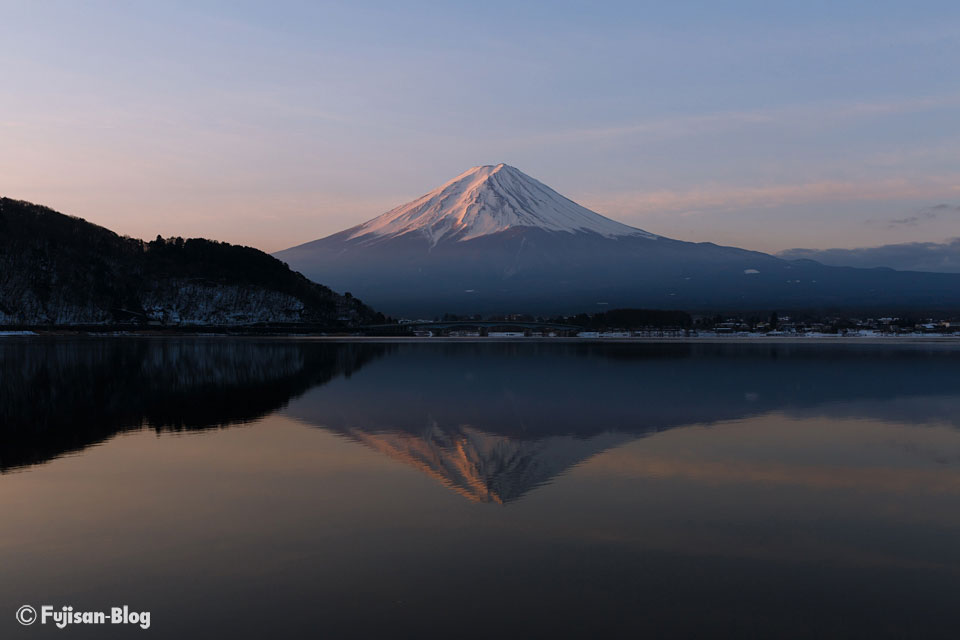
760	124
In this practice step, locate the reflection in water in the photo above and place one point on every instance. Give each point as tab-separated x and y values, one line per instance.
484	467
493	421
61	396
652	490
489	420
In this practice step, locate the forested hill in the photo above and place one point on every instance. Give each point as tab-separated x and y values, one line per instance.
61	270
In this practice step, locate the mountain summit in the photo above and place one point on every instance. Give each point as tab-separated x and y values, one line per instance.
485	200
494	240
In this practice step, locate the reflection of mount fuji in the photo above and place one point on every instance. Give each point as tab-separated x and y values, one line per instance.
484	467
489	420
493	421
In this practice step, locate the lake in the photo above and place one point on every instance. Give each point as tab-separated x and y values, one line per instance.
249	488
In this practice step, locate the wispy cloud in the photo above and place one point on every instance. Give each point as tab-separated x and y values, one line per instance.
730	197
926	214
816	114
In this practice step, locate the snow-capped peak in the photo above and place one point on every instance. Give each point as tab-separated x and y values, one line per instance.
489	199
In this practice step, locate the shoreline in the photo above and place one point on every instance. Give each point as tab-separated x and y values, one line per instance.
645	340
752	339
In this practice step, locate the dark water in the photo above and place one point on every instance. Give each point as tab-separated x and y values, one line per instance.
239	488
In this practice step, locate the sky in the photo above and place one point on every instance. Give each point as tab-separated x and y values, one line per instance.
766	125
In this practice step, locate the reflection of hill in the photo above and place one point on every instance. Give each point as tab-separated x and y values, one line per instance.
64	395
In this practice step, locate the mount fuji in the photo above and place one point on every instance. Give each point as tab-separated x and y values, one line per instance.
485	201
493	239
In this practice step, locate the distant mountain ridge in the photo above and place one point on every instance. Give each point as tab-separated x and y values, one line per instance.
61	270
936	257
496	240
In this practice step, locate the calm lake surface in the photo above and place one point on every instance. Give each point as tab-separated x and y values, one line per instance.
272	488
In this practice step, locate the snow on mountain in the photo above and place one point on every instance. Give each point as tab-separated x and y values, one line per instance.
486	200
